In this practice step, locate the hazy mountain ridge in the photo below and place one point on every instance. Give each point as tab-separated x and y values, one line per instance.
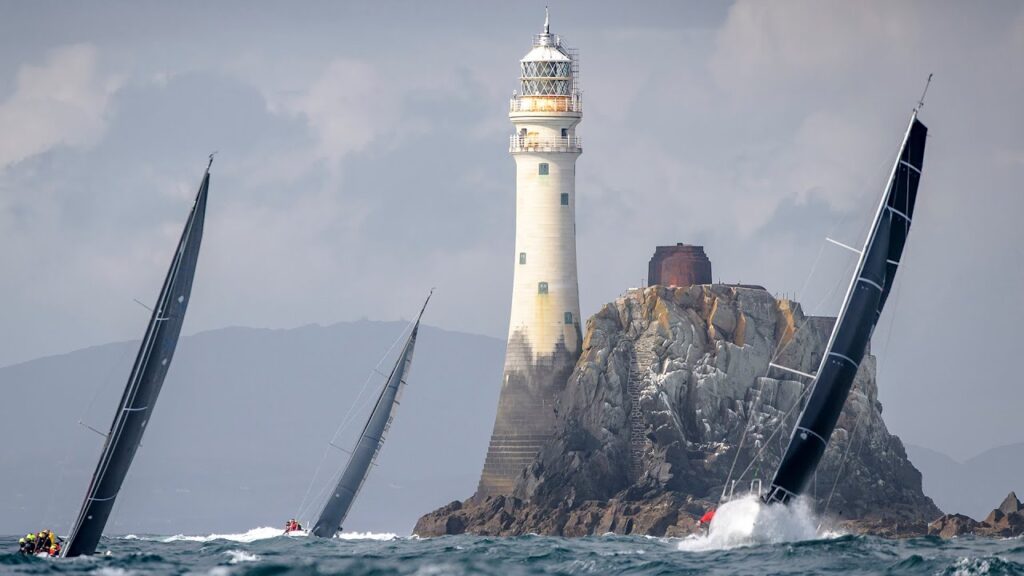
973	486
243	420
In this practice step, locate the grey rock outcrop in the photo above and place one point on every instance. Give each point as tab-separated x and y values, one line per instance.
951	525
670	383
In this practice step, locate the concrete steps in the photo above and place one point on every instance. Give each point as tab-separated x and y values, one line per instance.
641	359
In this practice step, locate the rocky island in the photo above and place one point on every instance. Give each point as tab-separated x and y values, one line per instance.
1006	521
650	423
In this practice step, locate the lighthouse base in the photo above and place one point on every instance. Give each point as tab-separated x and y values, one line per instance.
526	412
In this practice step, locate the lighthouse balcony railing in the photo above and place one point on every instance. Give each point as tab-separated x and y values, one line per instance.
530	144
546	103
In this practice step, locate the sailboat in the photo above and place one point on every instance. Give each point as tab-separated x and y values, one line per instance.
340	500
144	383
866	296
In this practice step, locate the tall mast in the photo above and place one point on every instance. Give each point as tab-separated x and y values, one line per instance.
340	501
866	296
144	384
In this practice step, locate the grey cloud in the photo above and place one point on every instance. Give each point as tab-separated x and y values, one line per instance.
363	160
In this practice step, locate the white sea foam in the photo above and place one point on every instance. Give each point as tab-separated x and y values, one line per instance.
111	571
747	521
366	536
239	556
263	533
971	566
270	532
250	536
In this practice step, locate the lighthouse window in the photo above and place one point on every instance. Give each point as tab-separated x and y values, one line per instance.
568	317
565	198
542	169
542	288
565	132
522	257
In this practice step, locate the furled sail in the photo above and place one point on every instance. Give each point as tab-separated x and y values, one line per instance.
868	291
370	441
144	383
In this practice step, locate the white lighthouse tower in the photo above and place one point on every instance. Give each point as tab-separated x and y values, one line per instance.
544	328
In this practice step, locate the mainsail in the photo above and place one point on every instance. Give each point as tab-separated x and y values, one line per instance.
370	441
868	291
144	383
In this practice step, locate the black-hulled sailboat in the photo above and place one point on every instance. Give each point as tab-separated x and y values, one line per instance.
869	289
340	500
144	383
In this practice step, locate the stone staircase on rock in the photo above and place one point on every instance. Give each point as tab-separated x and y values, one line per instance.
641	357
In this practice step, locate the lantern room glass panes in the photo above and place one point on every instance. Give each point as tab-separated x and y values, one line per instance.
546	78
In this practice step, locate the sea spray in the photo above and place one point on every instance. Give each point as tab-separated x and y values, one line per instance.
253	535
239	556
366	536
748	521
264	533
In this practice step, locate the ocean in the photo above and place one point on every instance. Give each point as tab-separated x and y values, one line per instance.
263	551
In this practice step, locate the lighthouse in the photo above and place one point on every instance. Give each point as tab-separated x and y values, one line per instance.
544	327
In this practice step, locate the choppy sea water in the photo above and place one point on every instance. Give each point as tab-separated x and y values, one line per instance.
261	552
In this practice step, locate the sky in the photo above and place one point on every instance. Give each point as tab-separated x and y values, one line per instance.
362	159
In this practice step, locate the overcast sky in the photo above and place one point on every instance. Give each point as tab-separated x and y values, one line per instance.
363	160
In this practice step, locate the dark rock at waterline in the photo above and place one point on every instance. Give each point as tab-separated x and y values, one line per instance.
950	525
670	514
651	420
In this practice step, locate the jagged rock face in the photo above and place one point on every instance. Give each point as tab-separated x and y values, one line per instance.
950	525
705	383
670	381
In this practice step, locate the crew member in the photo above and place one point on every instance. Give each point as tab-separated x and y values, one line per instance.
705	520
42	542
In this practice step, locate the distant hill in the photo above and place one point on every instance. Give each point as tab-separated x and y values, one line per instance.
243	421
973	487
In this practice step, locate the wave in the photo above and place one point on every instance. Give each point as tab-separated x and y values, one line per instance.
239	556
366	536
968	566
253	535
262	533
747	521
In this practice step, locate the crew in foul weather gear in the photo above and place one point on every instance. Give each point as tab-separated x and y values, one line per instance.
705	520
45	542
42	542
292	526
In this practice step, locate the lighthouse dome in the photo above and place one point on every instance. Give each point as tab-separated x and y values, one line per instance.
547	69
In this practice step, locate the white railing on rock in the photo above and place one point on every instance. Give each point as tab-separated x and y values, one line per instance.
530	144
523	103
